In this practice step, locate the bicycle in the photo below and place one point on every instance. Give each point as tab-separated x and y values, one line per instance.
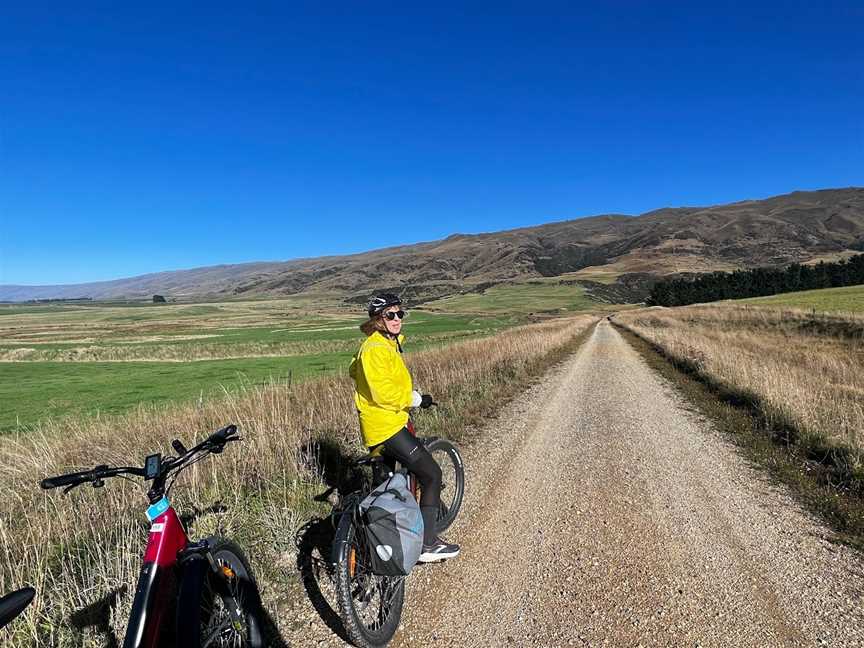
14	604
370	605
189	593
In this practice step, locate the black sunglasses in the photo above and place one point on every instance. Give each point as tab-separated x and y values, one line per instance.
391	315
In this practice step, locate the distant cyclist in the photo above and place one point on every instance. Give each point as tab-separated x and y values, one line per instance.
383	395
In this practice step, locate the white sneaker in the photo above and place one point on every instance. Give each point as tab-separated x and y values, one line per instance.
438	551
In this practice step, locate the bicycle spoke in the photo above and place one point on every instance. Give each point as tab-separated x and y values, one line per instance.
394	586
374	596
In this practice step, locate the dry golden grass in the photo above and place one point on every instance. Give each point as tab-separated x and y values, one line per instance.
78	549
804	371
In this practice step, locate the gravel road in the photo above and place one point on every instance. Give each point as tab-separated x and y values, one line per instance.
601	511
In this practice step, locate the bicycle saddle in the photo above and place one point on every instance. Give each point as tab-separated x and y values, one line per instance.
13	604
376	456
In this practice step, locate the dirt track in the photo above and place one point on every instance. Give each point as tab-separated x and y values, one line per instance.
602	512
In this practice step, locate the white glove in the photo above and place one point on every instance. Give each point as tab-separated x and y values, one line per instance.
416	398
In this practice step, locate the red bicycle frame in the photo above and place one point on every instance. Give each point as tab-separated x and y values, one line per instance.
158	580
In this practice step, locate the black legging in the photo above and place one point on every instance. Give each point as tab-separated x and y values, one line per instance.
404	448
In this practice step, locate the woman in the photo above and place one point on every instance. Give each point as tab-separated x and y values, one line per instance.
383	394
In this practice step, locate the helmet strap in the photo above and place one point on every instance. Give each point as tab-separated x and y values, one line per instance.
393	336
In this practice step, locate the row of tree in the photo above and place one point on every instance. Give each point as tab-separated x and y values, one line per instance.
757	282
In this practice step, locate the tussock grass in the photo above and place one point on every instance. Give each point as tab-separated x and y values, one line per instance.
815	482
803	372
85	548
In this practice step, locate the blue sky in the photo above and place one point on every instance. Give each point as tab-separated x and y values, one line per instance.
135	140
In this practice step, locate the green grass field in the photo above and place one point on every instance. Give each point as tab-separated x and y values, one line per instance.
35	390
849	299
263	341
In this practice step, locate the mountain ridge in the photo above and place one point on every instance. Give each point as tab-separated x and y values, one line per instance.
794	227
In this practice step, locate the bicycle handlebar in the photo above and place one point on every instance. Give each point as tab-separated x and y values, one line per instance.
66	480
215	443
99	472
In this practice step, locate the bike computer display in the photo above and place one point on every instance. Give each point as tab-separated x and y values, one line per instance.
152	466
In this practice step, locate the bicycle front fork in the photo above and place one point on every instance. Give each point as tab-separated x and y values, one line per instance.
223	574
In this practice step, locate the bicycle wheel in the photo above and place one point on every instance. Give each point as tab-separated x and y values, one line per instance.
449	460
370	605
214	627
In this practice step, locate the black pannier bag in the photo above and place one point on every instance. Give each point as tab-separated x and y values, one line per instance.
394	527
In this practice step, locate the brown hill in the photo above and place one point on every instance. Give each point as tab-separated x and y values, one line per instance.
626	250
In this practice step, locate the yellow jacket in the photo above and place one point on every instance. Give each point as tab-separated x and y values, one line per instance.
382	388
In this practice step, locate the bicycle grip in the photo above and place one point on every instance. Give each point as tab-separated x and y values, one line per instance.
221	436
66	480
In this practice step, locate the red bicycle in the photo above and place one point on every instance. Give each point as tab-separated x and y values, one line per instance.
189	593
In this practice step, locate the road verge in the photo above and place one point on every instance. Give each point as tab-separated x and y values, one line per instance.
815	480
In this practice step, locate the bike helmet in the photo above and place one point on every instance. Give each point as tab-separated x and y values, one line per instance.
385	300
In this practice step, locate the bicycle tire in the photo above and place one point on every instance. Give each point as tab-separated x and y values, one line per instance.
357	589
208	624
447	456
